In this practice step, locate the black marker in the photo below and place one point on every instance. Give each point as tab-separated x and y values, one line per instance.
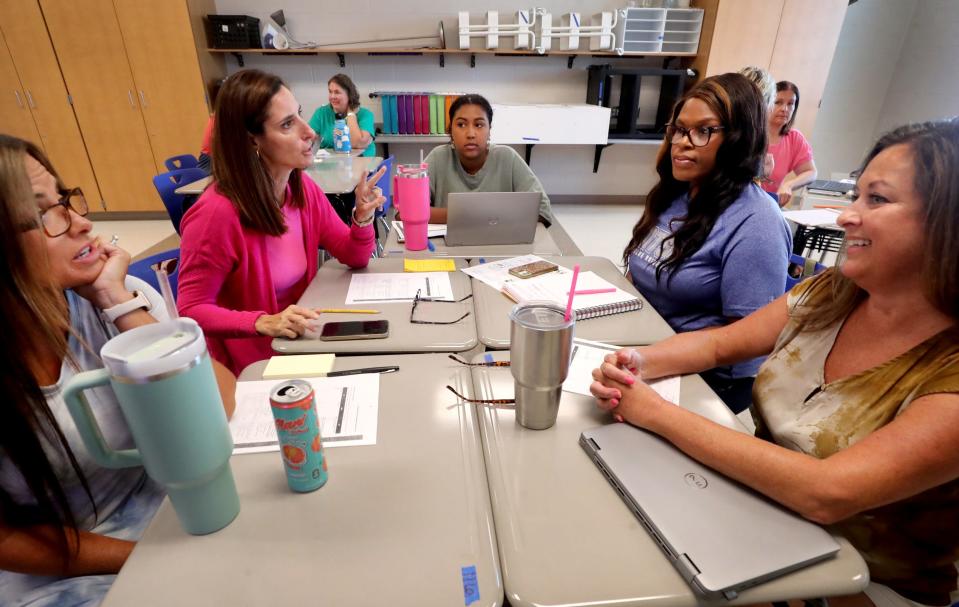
392	369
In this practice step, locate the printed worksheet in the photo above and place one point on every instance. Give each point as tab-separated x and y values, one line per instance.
496	273
347	408
588	355
399	286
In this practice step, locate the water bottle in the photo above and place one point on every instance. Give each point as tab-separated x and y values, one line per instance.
341	135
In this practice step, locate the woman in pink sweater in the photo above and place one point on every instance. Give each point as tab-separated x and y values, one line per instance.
250	243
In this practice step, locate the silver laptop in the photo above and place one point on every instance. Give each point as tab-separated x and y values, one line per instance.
721	536
484	218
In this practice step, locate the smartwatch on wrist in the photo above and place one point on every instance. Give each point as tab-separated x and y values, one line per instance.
138	302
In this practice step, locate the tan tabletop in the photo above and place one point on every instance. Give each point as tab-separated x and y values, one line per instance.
334	174
329	288
542	244
395	524
566	537
644	326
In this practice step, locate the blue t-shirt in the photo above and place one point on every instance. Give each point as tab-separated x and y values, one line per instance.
740	267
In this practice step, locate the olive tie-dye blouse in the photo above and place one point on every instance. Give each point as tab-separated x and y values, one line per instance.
911	545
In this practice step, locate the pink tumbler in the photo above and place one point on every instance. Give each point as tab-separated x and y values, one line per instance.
411	195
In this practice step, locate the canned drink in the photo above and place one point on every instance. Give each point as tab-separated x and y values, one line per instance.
298	431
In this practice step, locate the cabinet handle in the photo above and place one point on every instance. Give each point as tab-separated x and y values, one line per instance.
19	101
30	100
143	100
130	97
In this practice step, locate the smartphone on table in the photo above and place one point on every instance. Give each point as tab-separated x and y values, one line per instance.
355	329
535	268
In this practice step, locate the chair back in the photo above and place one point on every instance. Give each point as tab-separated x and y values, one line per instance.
801	268
385	183
142	270
166	185
183	161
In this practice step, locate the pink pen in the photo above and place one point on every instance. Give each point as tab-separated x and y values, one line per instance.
592	291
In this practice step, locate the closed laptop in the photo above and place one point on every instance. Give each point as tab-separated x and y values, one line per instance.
722	537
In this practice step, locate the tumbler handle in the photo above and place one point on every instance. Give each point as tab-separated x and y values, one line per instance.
87	424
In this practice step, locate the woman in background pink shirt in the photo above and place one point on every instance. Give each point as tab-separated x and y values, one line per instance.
790	150
250	243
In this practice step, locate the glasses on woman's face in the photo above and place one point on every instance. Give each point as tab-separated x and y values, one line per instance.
698	136
56	219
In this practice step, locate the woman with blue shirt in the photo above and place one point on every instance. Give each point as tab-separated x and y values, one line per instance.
711	246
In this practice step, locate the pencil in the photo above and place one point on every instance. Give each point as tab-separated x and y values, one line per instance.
592	291
346	311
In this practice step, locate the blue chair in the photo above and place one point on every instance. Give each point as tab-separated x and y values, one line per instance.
166	185
142	269
386	184
800	269
183	161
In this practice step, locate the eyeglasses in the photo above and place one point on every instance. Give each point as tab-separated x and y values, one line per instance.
56	219
698	136
483	401
417	299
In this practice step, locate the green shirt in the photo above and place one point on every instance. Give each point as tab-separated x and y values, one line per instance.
324	117
504	171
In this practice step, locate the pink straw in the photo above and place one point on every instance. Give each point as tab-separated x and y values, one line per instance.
593	291
572	292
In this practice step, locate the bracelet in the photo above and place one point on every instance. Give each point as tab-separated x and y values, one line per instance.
362	224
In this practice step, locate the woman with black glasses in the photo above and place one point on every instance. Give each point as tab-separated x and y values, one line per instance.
711	246
67	524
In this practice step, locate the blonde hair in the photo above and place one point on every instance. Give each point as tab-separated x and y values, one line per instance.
762	79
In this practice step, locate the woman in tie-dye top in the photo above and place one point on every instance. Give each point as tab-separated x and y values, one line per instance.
857	405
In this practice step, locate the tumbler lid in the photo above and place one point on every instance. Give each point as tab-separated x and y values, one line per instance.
156	349
541	315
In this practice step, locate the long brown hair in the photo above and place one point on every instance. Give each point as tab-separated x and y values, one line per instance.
739	106
33	310
935	153
241	111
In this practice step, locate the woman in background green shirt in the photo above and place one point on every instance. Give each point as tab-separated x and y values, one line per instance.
344	99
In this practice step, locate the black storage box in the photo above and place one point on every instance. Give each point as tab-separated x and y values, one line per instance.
624	116
234	31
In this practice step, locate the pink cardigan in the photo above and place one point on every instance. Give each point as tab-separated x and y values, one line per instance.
225	282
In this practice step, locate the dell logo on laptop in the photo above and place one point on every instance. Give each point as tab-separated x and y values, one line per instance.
494	220
696	480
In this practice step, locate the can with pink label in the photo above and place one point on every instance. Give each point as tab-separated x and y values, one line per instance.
298	432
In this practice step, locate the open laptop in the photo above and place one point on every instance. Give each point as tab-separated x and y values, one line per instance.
721	536
486	218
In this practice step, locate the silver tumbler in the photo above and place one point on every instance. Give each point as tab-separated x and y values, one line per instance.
540	344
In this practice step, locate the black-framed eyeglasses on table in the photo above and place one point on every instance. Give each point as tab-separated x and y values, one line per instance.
417	299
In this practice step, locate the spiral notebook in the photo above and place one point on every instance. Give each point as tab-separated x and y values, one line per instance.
554	287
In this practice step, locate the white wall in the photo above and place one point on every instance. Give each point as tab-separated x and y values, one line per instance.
925	81
861	75
564	170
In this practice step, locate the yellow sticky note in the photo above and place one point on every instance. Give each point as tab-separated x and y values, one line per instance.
429	265
300	365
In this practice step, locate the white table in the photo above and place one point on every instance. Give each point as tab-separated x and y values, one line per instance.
566	537
335	174
543	244
395	524
643	326
329	288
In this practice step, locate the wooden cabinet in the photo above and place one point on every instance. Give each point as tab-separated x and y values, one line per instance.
47	117
793	39
163	57
109	88
94	62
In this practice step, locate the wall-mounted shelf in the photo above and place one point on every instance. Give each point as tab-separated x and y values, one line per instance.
342	51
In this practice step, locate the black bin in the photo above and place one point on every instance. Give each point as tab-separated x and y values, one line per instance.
234	31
